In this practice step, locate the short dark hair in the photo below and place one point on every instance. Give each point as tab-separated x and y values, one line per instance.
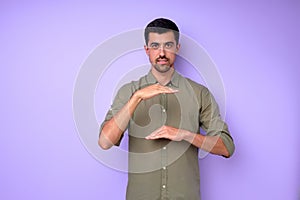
161	25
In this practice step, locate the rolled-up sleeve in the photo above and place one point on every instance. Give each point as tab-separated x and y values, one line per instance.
121	98
211	121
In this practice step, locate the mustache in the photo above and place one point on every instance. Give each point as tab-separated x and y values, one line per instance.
162	57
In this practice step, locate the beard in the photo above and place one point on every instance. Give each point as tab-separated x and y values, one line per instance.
162	68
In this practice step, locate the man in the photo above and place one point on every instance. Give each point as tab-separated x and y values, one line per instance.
163	113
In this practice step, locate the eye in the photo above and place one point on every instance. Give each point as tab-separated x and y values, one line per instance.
169	45
154	45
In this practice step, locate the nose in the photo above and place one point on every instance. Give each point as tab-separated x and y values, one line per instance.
162	51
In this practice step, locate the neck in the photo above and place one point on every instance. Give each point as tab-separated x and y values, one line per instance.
163	78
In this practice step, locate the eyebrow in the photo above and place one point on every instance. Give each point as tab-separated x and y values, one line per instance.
154	43
163	43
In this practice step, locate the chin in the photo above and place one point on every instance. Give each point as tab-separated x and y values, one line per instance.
162	68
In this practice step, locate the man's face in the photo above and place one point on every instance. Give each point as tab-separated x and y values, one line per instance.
162	49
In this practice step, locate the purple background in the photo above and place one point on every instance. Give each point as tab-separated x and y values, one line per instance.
255	46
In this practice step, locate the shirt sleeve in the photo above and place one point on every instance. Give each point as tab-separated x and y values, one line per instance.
211	121
121	98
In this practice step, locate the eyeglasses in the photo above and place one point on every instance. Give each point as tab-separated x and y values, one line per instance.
167	45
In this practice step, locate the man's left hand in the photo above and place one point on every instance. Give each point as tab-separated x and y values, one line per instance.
168	132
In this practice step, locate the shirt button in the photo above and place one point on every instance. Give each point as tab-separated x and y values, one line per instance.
164	186
164	110
164	168
164	148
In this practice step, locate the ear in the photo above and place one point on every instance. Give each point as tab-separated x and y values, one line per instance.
177	48
146	49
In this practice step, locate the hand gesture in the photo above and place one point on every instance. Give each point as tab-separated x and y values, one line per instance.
153	90
168	132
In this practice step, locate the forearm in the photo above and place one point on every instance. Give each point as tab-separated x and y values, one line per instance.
212	144
115	127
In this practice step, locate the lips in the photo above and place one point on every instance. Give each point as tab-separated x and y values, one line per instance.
162	61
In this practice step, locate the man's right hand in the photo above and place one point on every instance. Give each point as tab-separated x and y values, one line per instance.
153	90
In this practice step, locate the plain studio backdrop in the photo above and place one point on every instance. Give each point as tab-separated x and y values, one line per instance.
254	45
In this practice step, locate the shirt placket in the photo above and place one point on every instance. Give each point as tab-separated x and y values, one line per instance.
164	155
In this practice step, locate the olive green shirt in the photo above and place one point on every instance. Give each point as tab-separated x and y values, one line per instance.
164	169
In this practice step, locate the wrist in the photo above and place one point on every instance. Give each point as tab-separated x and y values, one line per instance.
136	97
188	136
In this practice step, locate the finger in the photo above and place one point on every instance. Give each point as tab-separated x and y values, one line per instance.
155	137
171	91
168	90
163	89
155	134
152	136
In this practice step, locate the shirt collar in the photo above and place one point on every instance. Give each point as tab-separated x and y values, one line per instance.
174	80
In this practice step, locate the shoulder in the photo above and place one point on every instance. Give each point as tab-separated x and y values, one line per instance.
197	87
202	93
